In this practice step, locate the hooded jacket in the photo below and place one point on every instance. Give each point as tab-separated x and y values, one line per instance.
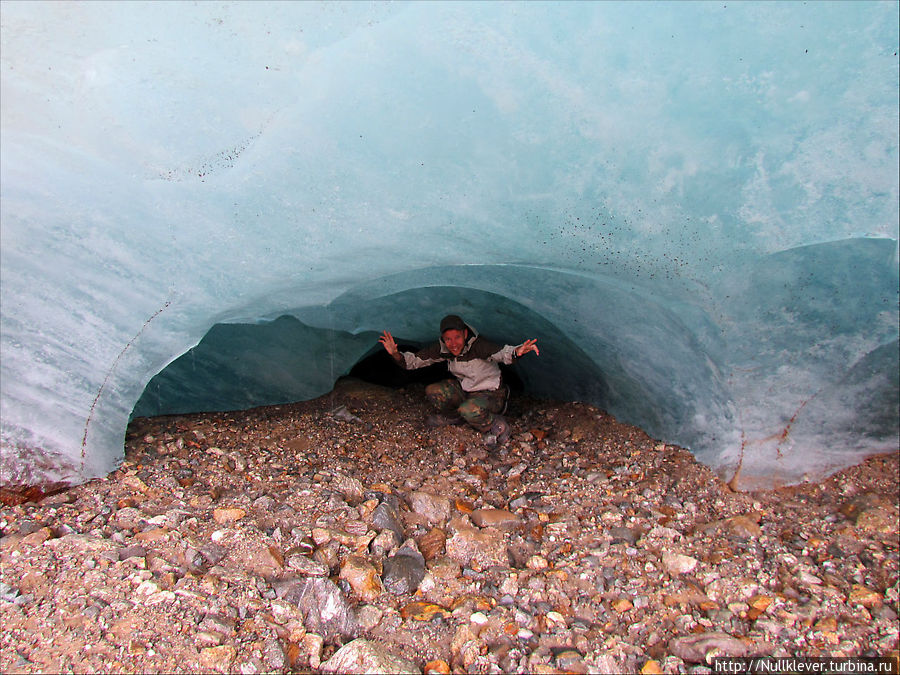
476	367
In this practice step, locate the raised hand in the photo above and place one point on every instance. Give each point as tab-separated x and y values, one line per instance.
387	340
527	346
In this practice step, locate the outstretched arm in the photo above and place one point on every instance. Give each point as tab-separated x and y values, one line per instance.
527	346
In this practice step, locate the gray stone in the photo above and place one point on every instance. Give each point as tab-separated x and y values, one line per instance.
623	535
385	518
326	610
404	571
696	648
434	508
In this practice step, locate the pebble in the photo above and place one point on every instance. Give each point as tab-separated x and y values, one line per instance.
307	566
678	563
385	518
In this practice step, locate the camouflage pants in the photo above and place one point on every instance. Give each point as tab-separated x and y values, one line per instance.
476	408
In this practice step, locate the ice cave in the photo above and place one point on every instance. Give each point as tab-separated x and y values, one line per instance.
693	206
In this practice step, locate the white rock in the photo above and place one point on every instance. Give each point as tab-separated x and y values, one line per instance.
678	563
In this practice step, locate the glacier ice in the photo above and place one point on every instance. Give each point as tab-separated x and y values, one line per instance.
693	206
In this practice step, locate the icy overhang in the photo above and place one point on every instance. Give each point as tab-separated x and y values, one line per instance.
693	206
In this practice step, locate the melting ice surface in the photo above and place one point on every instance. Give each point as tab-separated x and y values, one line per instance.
694	207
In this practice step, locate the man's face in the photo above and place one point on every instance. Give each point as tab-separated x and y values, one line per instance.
455	340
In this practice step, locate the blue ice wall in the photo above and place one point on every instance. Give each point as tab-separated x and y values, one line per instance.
694	207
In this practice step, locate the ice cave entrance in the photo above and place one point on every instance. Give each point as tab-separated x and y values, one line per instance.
243	365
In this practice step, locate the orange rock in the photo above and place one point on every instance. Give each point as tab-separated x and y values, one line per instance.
490	517
479	472
422	611
539	434
155	534
431	544
438	667
479	603
758	605
622	605
362	577
464	506
224	516
651	668
860	595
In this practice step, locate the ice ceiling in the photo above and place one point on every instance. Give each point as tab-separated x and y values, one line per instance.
693	206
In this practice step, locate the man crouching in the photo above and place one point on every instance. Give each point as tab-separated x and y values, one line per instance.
477	396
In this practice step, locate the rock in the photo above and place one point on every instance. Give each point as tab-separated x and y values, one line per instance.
350	488
526	499
622	605
422	611
494	518
444	567
484	547
432	543
678	563
745	526
702	647
860	595
465	647
128	517
364	656
385	542
325	610
568	659
313	644
218	659
624	535
436	667
261	559
385	518
362	577
225	516
307	566
434	508
132	552
369	616
404	571
213	554
537	562
274	655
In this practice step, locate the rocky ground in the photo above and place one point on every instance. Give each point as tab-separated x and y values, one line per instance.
340	534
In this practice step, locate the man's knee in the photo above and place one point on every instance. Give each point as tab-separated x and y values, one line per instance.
443	394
